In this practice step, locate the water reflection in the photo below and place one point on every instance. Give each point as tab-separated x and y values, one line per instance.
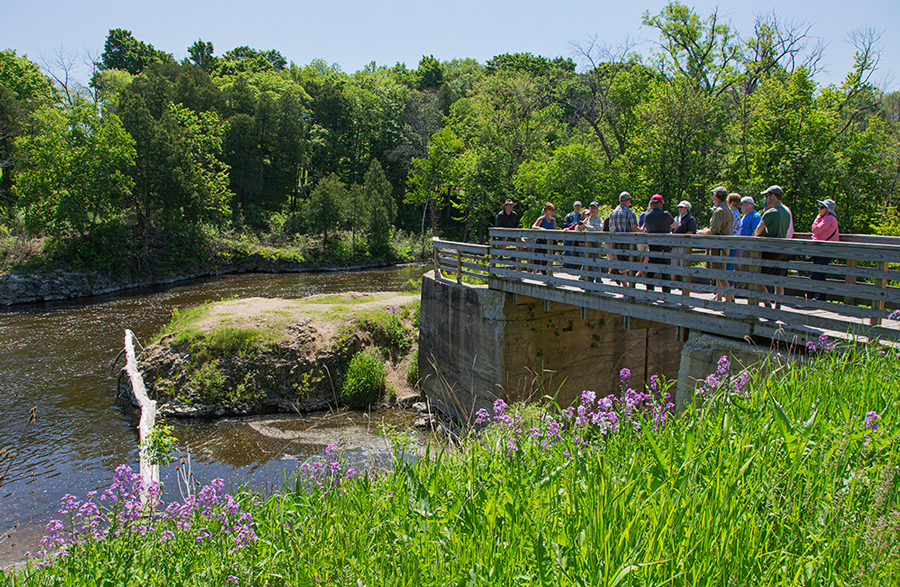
56	357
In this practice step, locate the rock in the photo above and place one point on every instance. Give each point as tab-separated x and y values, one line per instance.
261	355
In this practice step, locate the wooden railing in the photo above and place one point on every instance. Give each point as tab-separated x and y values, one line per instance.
462	260
677	281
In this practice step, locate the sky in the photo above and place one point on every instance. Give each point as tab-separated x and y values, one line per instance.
353	33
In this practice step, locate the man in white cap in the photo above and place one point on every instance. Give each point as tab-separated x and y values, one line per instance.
685	224
591	223
570	222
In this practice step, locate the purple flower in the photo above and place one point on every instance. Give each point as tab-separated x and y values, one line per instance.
624	376
723	365
872	419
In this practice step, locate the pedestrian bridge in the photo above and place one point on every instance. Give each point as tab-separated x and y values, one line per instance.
860	293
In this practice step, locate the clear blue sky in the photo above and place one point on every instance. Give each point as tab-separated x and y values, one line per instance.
354	32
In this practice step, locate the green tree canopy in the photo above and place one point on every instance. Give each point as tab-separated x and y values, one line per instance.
123	51
74	168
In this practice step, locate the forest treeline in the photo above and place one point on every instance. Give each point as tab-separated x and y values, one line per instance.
155	157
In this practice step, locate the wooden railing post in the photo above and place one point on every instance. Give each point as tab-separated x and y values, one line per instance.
879	283
850	280
755	286
437	263
458	266
687	264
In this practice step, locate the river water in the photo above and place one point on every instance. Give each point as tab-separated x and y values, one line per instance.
56	358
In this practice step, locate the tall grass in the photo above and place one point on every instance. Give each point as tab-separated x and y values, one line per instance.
785	479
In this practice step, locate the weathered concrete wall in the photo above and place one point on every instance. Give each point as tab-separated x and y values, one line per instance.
700	357
477	345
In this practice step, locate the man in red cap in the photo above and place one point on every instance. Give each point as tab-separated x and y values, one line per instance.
658	221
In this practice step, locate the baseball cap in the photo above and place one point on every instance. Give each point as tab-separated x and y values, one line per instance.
721	191
748	200
595	204
624	196
773	189
684	204
656	198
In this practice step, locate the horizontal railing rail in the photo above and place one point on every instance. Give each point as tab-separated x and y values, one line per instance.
461	260
779	283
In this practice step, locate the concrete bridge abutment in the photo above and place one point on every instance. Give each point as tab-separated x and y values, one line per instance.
477	345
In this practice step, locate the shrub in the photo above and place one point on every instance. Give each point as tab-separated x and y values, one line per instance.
208	381
389	329
365	379
412	370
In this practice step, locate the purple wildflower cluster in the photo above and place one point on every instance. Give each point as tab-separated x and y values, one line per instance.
822	344
737	385
327	473
603	416
211	509
592	417
872	424
121	510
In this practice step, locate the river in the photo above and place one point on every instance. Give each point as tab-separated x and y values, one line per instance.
56	358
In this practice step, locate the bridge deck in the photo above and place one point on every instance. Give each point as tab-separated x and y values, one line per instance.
860	288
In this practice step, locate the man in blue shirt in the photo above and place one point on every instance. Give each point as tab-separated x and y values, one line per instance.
750	219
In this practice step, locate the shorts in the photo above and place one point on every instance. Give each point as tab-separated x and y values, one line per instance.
775	257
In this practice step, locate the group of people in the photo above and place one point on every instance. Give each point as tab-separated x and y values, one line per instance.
732	215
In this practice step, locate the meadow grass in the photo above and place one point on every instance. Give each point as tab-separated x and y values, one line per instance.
787	478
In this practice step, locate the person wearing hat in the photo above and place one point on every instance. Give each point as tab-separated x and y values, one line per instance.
721	224
824	228
570	222
591	223
750	217
774	223
658	221
685	224
623	219
507	217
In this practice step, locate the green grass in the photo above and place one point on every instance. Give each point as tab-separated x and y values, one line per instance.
364	382
784	485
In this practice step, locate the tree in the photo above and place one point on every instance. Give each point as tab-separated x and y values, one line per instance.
23	90
247	59
377	191
431	178
534	65
74	170
430	73
123	51
677	148
705	52
326	199
178	177
202	54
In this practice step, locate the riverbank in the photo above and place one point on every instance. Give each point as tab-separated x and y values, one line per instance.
38	279
59	284
768	477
